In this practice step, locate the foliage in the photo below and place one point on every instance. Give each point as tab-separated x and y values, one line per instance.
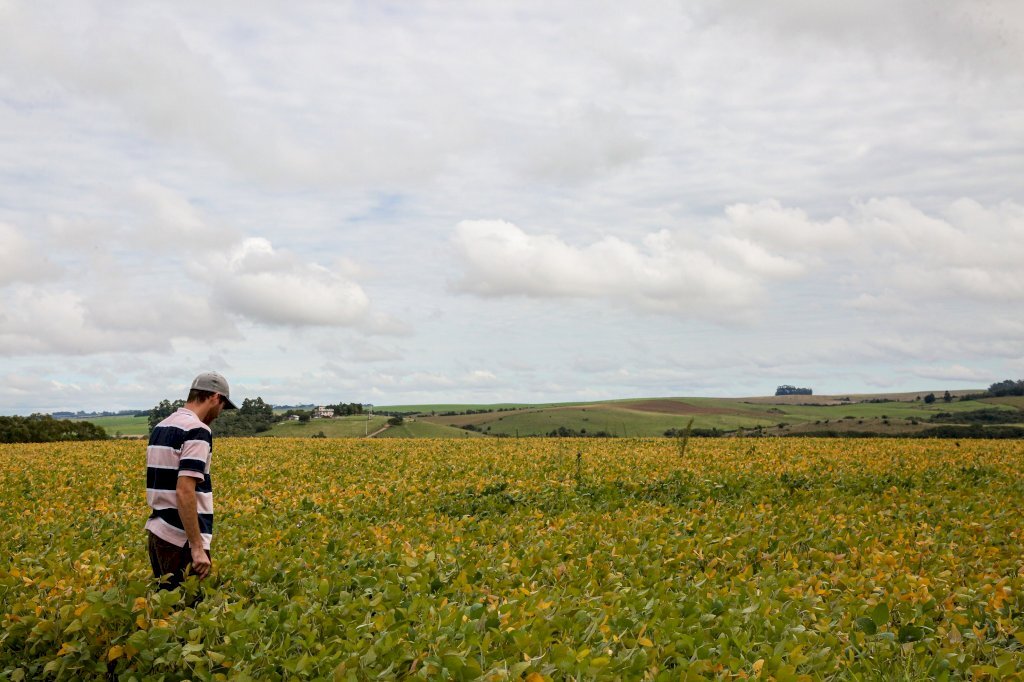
346	409
165	408
527	559
988	415
1007	387
42	428
565	432
253	416
786	389
397	420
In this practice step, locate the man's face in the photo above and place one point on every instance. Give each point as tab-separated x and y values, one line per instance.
215	405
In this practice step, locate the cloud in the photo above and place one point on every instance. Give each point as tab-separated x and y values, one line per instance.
21	260
884	256
583	140
256	281
659	274
954	373
170	220
774	226
983	37
38	321
54	320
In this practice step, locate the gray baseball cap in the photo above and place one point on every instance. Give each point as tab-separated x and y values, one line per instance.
215	383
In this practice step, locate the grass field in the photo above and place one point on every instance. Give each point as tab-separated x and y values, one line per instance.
653	416
532	559
459	407
610	418
640	417
352	426
422	429
125	426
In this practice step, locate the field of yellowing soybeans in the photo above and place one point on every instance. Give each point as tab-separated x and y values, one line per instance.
527	559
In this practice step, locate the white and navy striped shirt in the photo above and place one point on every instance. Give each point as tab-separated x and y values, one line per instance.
180	445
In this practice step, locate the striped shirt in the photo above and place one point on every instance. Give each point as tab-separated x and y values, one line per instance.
180	445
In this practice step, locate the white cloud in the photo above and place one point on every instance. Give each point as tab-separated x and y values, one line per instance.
954	373
276	287
660	275
885	302
757	259
53	320
983	37
885	256
38	321
481	377
773	226
171	222
584	140
20	259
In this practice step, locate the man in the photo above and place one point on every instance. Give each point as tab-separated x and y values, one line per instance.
178	487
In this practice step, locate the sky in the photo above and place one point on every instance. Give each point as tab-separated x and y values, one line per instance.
422	202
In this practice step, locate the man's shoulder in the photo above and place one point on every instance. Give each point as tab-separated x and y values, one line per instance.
183	422
184	419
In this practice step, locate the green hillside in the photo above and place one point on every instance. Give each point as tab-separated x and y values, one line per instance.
422	429
121	426
354	426
896	413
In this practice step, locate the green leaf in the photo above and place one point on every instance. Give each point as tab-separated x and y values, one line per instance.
910	633
880	614
867	625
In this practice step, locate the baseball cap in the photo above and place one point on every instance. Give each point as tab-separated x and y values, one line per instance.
215	383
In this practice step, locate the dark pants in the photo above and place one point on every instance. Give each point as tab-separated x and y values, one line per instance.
168	558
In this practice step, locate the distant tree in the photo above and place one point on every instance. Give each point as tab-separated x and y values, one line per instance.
947	397
253	416
786	389
397	420
930	398
163	410
343	409
1007	387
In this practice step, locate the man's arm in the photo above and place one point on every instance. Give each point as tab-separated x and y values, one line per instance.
186	492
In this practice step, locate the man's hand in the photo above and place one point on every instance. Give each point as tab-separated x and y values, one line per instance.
186	492
201	563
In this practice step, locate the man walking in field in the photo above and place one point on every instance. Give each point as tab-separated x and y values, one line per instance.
178	487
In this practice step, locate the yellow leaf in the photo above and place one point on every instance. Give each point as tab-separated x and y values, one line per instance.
643	641
140	604
534	677
758	665
114	653
66	648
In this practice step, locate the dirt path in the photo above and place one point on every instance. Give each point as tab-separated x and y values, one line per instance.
383	428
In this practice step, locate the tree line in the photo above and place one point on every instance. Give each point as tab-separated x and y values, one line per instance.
42	428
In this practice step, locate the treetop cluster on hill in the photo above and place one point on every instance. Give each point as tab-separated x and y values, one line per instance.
1005	388
786	389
